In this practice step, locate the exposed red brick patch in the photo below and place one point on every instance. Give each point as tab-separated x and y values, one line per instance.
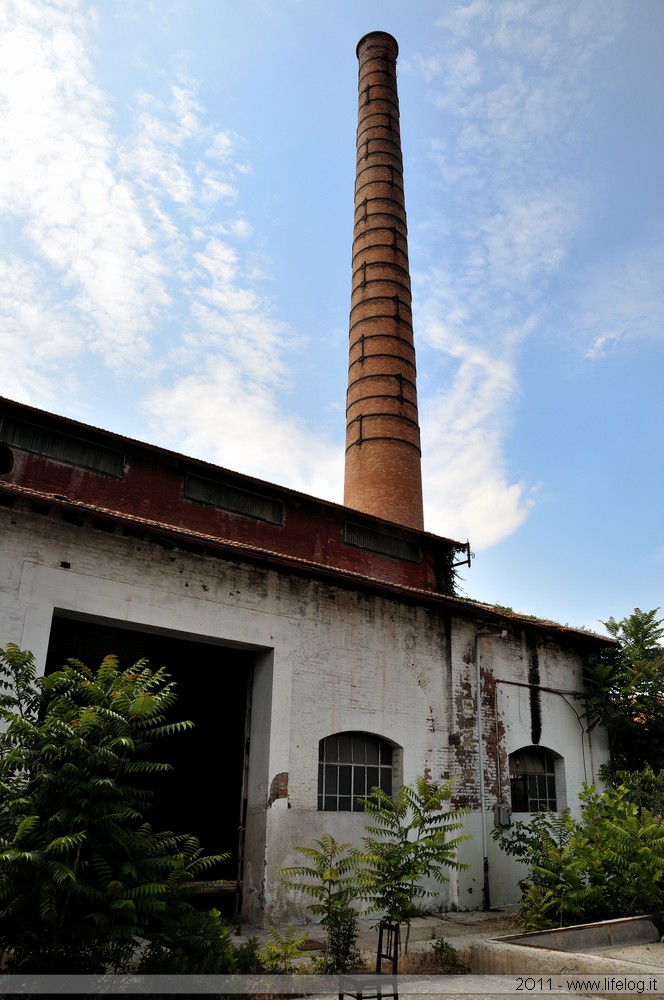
278	788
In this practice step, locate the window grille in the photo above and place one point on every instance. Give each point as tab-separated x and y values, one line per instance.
381	542
61	447
349	766
232	499
533	780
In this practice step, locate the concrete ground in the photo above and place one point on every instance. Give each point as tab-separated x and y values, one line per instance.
473	934
643	954
461	929
629	945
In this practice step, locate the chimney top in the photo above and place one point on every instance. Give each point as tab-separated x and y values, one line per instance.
378	36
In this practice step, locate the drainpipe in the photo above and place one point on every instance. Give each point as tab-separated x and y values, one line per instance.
486	896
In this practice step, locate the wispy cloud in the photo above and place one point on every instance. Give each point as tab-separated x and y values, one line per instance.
224	382
468	493
623	301
76	215
131	249
510	82
214	412
29	358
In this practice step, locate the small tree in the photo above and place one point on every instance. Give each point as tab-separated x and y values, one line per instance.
331	883
410	840
81	872
645	788
625	849
624	691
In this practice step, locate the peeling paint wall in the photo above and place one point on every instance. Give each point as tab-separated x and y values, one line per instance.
527	690
327	660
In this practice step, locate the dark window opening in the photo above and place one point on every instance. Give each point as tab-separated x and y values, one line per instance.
6	460
533	780
349	766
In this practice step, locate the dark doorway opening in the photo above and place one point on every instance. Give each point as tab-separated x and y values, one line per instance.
203	793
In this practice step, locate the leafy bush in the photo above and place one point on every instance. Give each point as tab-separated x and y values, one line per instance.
645	788
608	864
437	959
331	877
202	946
279	955
82	875
556	889
625	845
409	840
446	957
341	951
246	956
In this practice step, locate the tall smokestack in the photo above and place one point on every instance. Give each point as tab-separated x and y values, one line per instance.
383	465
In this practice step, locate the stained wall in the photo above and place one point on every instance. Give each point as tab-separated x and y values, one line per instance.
326	659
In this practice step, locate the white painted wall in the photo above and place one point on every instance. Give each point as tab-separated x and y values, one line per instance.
327	660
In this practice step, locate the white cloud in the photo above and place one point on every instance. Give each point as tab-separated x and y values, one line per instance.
57	177
35	336
238	424
526	240
606	341
122	233
467	490
622	300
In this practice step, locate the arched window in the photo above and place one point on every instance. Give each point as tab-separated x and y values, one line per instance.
349	766
533	780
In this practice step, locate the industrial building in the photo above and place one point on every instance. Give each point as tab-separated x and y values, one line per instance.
320	648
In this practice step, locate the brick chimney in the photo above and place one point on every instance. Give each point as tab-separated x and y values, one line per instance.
383	466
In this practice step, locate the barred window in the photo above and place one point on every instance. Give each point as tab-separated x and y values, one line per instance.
349	766
533	780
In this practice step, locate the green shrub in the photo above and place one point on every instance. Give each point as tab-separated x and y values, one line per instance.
246	956
440	958
201	946
82	875
608	864
280	953
341	951
645	788
446	957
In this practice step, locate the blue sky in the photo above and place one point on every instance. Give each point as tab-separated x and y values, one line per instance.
176	185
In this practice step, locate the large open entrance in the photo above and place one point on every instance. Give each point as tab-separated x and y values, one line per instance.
204	793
